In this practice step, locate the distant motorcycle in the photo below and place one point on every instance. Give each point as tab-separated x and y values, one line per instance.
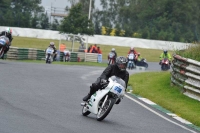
66	56
49	55
131	63
165	64
111	58
103	100
142	63
4	42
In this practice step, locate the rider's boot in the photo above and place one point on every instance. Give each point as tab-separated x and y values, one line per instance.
5	51
92	91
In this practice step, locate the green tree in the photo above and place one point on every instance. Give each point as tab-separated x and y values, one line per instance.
174	20
44	21
55	25
77	22
19	13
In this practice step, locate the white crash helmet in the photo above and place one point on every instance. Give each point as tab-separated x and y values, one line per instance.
113	49
9	30
52	44
132	48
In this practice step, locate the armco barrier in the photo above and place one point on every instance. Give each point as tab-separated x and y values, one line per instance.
186	74
33	54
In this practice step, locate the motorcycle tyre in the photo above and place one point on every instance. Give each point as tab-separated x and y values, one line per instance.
48	60
112	102
2	51
85	113
164	67
146	65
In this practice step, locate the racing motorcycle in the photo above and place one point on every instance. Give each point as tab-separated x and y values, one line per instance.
142	63
131	58
49	55
4	42
111	58
165	64
103	100
66	56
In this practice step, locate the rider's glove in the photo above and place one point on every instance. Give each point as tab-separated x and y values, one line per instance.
160	62
103	83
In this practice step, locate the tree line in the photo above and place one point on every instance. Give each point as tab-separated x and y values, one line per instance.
170	20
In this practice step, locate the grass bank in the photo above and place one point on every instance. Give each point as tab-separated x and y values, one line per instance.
156	87
152	55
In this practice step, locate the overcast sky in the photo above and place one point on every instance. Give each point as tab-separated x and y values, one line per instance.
47	4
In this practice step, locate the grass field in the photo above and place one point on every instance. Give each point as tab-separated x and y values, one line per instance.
152	55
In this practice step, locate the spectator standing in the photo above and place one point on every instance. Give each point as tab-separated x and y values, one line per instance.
88	50
93	49
99	50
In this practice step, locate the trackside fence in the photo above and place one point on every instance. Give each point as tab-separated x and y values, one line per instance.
16	53
186	74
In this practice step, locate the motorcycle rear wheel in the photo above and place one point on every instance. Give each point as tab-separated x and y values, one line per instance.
85	112
106	109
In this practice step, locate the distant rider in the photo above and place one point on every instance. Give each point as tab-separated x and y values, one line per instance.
165	54
132	50
7	33
139	57
67	53
112	55
52	45
118	69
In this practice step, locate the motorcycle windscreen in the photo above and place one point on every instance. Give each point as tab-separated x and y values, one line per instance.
2	41
111	55
49	51
119	81
131	56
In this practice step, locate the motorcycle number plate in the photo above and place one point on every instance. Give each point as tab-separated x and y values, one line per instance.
118	89
131	56
49	51
2	41
111	55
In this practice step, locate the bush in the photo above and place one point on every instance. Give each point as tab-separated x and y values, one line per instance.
191	52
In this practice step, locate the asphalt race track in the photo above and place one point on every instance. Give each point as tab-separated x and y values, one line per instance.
45	98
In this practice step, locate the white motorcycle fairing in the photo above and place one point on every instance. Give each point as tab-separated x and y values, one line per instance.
49	51
113	90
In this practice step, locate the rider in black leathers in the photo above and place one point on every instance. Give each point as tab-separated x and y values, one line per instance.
7	33
118	69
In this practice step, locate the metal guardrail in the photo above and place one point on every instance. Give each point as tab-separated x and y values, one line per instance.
186	74
16	53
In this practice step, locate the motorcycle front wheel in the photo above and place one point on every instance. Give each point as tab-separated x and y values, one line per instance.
48	59
105	110
85	112
164	67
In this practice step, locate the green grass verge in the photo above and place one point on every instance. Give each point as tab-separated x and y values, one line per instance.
156	87
152	55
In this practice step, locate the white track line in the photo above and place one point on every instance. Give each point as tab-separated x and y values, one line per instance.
159	114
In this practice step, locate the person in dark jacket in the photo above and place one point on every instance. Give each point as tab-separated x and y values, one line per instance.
118	69
7	33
